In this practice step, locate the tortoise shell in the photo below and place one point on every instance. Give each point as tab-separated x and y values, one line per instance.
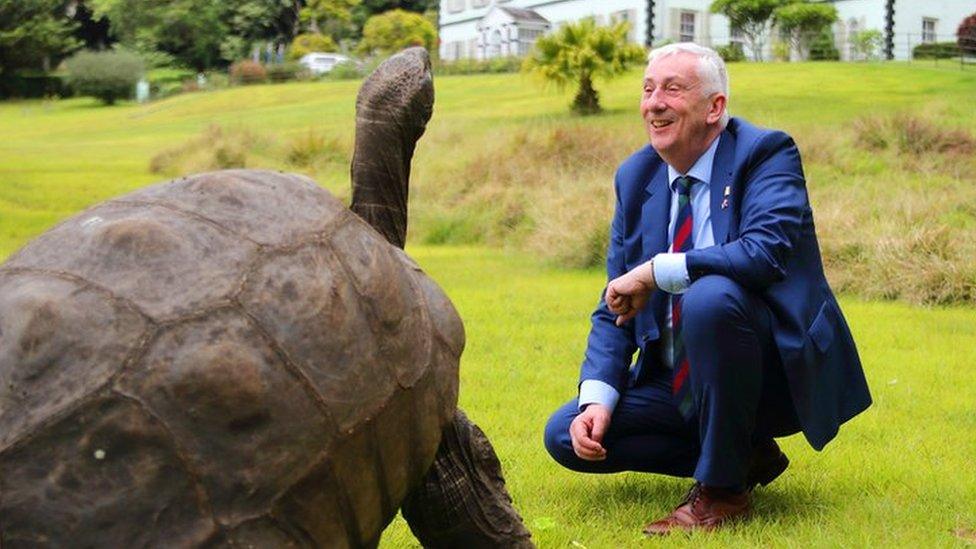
231	357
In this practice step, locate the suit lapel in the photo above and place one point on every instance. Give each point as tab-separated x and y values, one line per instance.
721	203
655	214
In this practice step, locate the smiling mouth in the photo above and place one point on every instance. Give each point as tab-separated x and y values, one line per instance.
658	124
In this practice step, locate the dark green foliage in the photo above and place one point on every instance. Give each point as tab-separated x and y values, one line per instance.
936	50
822	47
200	34
106	75
731	53
34	34
31	84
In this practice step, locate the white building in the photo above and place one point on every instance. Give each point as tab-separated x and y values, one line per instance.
483	29
907	24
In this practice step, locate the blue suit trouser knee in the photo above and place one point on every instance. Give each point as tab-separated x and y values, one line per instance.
739	390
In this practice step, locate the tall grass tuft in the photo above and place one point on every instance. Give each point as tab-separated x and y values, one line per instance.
313	147
895	204
216	148
545	189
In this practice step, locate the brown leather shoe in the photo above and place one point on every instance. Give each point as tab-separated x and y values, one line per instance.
768	462
704	508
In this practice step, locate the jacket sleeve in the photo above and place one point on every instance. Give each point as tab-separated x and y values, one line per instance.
609	348
773	204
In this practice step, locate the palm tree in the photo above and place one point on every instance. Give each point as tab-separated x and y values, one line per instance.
578	53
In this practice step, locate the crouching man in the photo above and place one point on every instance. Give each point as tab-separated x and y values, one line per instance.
716	281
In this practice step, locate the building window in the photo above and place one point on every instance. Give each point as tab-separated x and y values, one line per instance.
687	29
928	30
455	5
629	16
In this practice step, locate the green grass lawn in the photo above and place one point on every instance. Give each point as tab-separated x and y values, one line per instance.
899	475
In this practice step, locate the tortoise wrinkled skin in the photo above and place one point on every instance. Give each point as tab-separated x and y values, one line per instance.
232	358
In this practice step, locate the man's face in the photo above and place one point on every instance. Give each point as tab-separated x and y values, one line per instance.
677	115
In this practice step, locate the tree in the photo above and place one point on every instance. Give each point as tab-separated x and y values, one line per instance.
251	22
397	29
33	33
804	23
580	52
751	18
331	17
966	35
190	30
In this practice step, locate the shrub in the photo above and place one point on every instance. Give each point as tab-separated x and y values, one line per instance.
911	135
347	70
283	72
477	66
732	52
248	72
936	50
966	35
781	51
822	47
106	75
867	43
310	42
28	85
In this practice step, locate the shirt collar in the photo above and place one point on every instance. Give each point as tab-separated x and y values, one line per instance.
701	170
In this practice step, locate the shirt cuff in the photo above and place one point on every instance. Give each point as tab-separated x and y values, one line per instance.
671	273
594	391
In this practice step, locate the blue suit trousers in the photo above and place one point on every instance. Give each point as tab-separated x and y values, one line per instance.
740	394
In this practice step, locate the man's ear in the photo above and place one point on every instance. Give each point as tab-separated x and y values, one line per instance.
716	107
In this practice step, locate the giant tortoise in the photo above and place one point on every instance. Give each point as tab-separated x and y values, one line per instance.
235	358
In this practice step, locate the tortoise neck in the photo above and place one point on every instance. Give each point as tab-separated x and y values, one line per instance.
381	176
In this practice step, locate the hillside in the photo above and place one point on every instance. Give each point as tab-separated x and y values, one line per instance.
888	150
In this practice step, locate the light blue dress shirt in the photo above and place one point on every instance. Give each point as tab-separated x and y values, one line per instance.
670	269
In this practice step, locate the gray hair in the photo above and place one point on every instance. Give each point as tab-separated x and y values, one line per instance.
711	69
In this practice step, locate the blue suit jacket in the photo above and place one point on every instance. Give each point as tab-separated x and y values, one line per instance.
765	241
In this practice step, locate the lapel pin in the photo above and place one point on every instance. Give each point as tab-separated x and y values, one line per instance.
728	190
725	202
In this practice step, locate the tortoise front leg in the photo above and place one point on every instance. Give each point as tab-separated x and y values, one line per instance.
462	501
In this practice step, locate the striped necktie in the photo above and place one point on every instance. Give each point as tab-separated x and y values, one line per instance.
681	242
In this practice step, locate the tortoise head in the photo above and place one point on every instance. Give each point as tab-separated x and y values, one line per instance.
392	110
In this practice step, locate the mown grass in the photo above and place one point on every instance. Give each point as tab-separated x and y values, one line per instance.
504	164
899	475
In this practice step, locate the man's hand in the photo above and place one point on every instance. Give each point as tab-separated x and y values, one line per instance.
628	294
587	432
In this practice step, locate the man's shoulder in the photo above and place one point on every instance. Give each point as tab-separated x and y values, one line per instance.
749	136
639	163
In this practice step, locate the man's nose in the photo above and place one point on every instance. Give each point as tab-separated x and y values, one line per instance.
655	101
